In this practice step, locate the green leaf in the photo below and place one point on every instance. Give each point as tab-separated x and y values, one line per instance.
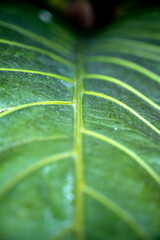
79	129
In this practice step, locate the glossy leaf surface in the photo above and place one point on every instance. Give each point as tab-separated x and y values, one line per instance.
79	129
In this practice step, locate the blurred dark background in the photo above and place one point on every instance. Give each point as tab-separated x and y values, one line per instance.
89	14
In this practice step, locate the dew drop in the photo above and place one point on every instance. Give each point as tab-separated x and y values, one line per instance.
45	16
5	109
68	188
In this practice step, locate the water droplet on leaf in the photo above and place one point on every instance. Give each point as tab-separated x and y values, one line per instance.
45	16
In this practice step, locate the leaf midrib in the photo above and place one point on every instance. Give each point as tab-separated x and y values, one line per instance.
78	125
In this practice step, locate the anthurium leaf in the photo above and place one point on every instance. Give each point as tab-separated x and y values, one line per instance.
79	129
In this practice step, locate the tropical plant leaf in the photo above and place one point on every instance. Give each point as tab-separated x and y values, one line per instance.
79	129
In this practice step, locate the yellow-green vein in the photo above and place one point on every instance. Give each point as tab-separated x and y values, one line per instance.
79	219
27	171
124	42
36	72
51	44
124	85
13	109
31	140
127	218
127	151
39	50
126	49
140	25
135	33
143	24
125	63
124	106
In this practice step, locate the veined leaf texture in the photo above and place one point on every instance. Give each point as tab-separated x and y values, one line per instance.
79	129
